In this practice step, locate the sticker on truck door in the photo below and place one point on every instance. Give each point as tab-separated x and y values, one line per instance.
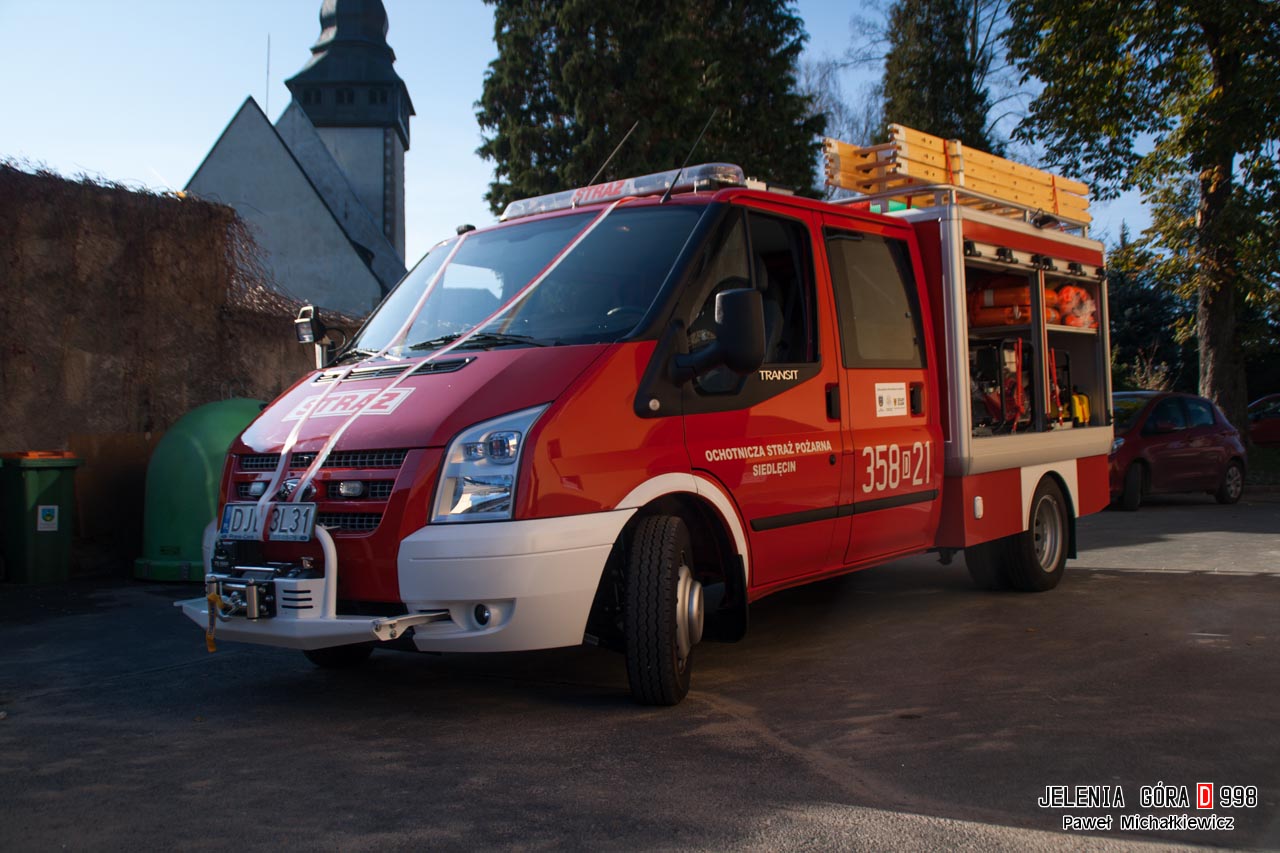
891	399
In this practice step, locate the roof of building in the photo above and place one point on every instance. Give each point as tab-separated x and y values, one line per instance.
352	51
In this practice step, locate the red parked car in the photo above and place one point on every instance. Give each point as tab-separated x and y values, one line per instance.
1264	421
1173	443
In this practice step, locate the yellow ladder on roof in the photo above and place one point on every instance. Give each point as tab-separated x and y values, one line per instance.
912	167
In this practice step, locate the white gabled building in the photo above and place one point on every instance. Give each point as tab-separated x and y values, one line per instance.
323	189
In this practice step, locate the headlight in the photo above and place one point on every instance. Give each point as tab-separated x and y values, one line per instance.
1117	444
478	476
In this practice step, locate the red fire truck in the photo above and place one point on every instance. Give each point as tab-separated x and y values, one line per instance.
625	412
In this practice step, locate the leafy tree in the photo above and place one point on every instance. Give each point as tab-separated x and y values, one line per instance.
572	76
936	72
1196	86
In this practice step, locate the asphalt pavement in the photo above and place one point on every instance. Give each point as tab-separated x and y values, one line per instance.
893	709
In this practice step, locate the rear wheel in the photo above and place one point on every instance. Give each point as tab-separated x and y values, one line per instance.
1134	480
340	657
663	612
1232	483
1038	555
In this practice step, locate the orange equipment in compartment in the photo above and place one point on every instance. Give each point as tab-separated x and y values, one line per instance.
1010	316
1077	307
1004	297
1006	301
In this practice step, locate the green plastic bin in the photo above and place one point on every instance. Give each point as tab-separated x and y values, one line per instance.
37	514
182	488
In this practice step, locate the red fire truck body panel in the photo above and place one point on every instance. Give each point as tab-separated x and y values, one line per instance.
497	488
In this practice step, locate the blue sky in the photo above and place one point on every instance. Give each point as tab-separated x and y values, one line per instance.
138	91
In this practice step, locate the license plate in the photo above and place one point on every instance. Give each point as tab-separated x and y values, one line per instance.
290	522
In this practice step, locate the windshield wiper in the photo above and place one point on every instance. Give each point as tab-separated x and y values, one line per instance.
482	340
357	351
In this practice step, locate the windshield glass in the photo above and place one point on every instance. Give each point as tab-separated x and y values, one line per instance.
597	294
1126	410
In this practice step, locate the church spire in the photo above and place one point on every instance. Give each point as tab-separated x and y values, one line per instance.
350	81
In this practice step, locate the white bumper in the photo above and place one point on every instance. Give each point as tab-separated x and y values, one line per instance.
537	578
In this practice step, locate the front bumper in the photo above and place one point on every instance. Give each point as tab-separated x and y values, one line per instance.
536	579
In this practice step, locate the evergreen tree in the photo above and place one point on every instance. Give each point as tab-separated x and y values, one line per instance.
572	76
1150	322
940	56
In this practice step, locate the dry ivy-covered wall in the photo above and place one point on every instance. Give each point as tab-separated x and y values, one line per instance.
119	312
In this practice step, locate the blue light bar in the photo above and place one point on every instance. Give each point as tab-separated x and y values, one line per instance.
701	177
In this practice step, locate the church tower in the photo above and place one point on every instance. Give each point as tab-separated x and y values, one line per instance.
360	107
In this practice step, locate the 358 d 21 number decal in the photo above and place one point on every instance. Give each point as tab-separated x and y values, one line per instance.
892	465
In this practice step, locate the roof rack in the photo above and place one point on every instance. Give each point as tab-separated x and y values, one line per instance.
915	170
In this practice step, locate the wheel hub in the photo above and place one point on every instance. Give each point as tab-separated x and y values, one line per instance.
1047	530
689	613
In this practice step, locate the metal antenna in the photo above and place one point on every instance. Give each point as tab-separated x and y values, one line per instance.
666	195
616	149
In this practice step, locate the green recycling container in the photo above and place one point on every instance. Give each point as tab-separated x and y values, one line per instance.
182	488
37	514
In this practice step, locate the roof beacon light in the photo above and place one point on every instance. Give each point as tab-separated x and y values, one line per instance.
702	177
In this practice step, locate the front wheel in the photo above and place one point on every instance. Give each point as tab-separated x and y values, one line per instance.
1038	555
663	612
1232	483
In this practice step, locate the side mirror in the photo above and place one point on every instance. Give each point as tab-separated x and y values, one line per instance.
307	327
309	330
739	329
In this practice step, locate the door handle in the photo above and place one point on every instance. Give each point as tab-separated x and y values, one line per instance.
917	398
833	402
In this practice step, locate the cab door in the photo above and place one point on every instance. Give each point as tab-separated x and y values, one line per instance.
772	438
891	409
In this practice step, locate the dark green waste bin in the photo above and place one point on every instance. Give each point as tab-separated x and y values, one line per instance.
37	514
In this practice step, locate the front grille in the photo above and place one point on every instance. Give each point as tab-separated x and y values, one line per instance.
259	462
337	459
242	491
374	490
355	459
350	522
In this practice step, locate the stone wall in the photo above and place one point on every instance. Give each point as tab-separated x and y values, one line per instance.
119	312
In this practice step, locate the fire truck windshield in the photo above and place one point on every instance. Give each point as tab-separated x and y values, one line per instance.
597	293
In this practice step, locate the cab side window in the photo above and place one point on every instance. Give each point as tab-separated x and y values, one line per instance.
774	255
876	300
782	270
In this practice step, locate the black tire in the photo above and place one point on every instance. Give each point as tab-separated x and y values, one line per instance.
988	564
659	562
1134	481
1232	486
1038	555
340	657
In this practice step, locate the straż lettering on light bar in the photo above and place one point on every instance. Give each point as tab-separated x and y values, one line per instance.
703	176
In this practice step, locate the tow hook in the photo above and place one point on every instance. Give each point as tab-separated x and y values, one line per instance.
213	605
217	609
